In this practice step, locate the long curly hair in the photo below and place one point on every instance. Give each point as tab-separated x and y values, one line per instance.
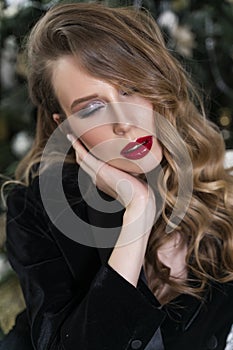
125	48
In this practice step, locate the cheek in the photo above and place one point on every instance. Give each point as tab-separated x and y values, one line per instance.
99	142
95	136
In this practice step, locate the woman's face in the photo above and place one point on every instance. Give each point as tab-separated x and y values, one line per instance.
116	127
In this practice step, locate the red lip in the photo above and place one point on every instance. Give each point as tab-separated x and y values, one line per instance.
138	149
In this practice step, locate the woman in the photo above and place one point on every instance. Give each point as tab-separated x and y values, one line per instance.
149	271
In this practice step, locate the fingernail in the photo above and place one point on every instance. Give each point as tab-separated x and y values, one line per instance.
71	138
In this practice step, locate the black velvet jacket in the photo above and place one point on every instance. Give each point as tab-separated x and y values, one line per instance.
76	301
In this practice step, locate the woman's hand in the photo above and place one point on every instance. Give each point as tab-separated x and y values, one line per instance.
127	189
138	199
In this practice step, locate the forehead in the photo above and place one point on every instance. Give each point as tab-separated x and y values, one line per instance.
66	70
70	81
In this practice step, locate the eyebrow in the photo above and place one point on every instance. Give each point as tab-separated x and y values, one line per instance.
82	99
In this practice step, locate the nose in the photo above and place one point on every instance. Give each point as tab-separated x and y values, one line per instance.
121	128
121	123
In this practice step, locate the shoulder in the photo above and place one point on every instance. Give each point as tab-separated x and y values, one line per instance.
220	304
56	183
222	290
52	203
225	312
220	297
34	231
45	207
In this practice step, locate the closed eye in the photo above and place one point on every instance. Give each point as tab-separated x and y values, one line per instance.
90	109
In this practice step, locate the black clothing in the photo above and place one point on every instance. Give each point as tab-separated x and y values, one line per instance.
19	337
75	300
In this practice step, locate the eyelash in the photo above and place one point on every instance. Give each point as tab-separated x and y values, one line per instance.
90	109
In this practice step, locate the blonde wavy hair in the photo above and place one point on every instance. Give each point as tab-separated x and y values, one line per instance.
125	47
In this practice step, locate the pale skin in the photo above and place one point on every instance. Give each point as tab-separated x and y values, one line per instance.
117	177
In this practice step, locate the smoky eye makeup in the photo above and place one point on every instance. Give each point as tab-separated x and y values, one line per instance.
90	109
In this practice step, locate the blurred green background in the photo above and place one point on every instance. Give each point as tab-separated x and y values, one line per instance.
200	33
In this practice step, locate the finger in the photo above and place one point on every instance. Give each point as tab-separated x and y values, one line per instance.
86	160
105	177
113	181
80	150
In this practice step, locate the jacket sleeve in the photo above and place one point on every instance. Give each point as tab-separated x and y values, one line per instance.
63	314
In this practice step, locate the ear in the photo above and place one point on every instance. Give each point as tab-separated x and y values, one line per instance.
64	127
57	118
